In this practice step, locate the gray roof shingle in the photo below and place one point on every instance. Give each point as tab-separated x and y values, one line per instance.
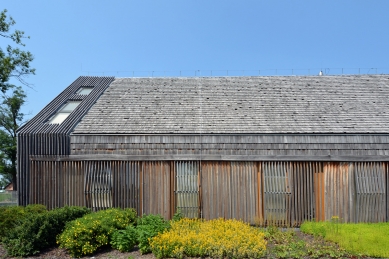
276	104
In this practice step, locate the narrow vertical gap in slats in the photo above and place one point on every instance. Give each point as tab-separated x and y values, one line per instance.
386	186
87	186
114	167
172	182
141	188
259	205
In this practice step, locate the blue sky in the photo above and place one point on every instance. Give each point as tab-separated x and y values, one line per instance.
125	38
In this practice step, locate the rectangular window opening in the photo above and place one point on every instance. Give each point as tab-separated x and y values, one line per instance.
98	188
187	188
85	90
64	112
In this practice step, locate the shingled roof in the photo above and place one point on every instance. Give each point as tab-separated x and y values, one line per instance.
241	105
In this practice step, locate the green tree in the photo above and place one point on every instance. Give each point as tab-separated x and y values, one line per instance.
11	118
14	66
14	62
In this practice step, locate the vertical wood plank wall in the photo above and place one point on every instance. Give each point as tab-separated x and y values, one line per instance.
126	184
371	192
319	191
284	193
56	184
229	190
156	188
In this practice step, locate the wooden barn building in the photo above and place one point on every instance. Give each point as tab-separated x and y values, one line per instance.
282	148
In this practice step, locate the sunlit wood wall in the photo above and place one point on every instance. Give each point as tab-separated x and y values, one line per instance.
282	193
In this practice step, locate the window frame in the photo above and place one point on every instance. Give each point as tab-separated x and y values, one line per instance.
66	109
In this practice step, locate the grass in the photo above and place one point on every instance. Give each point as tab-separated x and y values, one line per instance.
5	197
362	239
291	244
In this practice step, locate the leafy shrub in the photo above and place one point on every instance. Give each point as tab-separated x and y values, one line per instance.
35	208
148	227
178	216
38	231
85	235
124	240
12	215
215	238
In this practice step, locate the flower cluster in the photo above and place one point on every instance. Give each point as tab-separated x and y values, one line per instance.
215	238
85	235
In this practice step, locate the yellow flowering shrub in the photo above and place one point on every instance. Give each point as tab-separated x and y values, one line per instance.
215	238
85	235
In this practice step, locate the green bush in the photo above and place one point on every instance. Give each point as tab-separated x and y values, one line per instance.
148	227
85	235
11	216
178	216
124	240
39	230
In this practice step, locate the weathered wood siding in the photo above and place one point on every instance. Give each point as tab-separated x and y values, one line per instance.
56	184
370	192
236	147
156	188
339	191
289	192
283	193
229	190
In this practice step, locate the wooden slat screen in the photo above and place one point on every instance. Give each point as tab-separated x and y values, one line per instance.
56	184
339	191
282	193
303	203
386	166
370	192
229	190
126	185
98	185
277	183
319	191
156	189
187	188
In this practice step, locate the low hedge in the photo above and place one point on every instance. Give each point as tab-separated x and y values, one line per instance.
39	231
11	216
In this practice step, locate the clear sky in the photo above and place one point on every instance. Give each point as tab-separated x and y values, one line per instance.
126	38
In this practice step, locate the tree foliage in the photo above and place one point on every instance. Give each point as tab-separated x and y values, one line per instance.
14	62
11	118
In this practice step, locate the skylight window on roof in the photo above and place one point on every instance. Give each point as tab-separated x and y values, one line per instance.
65	111
85	90
59	118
